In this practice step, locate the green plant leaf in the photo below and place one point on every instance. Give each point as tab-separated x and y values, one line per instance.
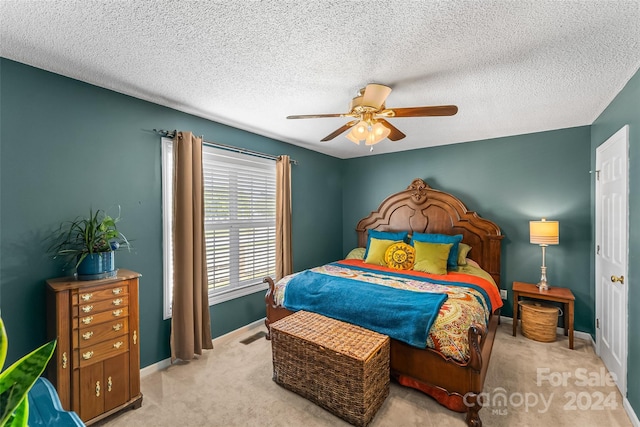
6	412
3	344
16	381
20	416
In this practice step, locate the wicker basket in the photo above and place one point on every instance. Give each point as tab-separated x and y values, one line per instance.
539	321
340	367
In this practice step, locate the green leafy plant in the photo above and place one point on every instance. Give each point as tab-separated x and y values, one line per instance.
77	239
17	380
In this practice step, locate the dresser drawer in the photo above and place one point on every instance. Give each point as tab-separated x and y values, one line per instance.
95	307
86	296
94	334
89	320
98	352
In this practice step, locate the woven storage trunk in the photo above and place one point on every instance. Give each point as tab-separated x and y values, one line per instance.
539	321
341	367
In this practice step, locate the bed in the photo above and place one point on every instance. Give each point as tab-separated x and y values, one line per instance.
454	378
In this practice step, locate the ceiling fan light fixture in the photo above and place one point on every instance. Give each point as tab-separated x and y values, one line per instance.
352	138
368	111
361	129
378	133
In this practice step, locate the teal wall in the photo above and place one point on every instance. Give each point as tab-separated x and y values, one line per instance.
508	180
625	110
66	146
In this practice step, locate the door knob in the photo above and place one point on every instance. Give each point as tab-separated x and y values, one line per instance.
617	279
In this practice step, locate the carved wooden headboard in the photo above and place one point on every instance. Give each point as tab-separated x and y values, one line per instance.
422	209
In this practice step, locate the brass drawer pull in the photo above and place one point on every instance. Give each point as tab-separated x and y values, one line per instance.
86	297
87	335
87	320
117	291
98	388
117	327
117	301
118	344
64	360
135	337
117	312
87	308
109	384
88	355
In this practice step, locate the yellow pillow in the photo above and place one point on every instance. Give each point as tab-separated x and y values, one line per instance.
400	256
357	253
432	257
463	251
377	248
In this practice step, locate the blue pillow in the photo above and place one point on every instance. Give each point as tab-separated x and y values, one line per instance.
452	261
386	235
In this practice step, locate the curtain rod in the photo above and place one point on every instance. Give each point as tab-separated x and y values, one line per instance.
172	134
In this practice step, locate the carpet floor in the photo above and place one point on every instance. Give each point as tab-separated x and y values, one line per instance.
528	383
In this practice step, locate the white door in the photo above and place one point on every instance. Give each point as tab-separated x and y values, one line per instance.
611	254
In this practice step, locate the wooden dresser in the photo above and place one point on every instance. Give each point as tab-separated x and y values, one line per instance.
96	366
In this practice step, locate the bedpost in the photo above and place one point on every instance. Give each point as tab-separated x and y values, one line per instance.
269	299
475	336
274	312
474	404
472	400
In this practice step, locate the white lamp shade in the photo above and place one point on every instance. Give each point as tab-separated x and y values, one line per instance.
544	232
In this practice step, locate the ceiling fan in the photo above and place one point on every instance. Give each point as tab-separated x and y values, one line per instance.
370	114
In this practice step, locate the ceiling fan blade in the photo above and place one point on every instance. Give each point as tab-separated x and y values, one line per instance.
314	116
440	110
375	95
339	131
395	134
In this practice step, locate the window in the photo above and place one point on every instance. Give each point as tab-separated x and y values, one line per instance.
240	222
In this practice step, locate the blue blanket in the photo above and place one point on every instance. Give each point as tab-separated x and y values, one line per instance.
404	315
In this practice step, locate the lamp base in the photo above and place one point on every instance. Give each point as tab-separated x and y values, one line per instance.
542	284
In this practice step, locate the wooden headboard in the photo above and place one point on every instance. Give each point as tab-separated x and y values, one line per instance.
422	209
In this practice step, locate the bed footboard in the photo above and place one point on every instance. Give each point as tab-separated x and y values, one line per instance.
455	385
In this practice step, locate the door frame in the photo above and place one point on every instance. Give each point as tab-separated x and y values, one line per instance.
622	133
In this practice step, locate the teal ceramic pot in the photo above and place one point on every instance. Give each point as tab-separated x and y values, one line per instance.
98	263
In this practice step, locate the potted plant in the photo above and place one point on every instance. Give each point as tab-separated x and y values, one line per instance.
17	380
90	242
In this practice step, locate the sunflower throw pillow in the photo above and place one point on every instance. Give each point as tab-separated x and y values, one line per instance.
400	256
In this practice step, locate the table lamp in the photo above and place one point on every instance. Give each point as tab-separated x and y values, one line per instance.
544	233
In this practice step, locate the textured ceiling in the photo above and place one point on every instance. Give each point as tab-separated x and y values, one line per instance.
512	67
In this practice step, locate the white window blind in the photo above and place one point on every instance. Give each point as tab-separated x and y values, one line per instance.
240	218
240	223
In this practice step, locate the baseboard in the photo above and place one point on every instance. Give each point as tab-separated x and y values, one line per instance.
576	334
163	364
631	413
158	366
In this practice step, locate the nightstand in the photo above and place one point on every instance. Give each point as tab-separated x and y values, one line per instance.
561	295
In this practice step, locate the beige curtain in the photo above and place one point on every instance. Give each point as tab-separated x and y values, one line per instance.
190	327
284	260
